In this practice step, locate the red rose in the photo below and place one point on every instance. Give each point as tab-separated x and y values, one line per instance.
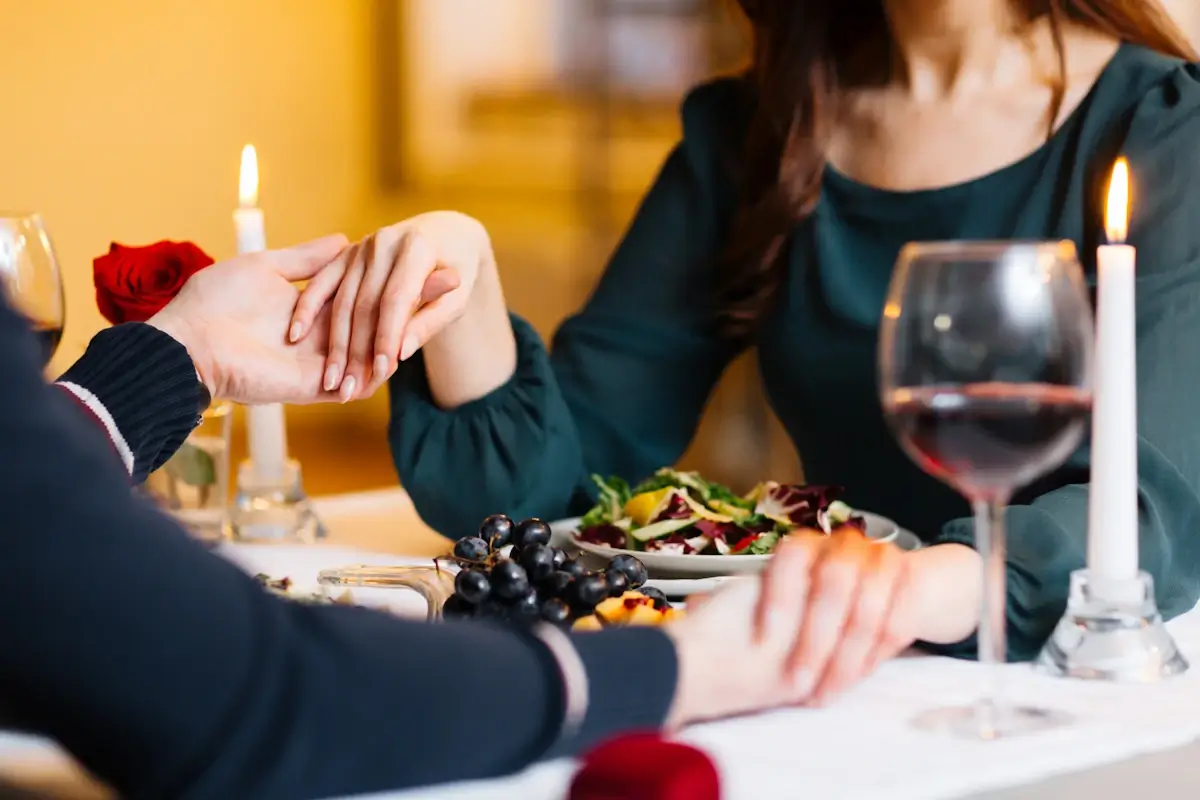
646	767
134	283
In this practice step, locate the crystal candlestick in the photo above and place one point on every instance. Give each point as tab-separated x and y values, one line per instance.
1112	631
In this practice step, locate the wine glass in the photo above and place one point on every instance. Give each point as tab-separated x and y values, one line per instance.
30	278
985	366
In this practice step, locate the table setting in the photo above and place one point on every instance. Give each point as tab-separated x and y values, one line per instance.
990	362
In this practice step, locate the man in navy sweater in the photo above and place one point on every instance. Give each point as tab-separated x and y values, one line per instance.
168	672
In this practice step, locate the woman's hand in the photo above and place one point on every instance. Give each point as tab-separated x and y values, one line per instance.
863	603
391	294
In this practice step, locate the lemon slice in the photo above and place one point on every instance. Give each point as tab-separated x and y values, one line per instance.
641	508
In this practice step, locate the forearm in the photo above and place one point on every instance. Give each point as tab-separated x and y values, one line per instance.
140	386
514	451
477	353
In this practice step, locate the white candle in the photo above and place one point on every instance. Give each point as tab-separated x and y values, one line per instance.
1112	507
265	424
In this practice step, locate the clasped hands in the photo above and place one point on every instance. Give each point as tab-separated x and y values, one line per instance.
826	612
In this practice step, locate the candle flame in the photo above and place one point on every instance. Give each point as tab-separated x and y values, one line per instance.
248	180
1116	218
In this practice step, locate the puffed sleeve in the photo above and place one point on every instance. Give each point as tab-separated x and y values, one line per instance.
622	389
1047	534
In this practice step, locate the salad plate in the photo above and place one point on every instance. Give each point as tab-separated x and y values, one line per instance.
681	525
680	575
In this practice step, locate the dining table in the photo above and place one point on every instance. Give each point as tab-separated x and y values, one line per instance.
1122	739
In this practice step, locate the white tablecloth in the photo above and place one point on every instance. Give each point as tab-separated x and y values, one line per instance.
860	748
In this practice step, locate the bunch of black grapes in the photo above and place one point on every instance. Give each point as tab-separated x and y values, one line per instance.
534	582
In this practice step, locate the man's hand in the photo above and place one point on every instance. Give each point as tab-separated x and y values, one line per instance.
233	318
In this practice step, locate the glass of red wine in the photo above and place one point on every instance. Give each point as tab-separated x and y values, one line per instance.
30	278
985	367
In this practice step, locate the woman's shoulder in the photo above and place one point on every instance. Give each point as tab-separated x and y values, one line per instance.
715	116
1169	105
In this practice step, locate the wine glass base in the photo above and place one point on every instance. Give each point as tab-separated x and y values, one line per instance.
985	722
273	511
1112	631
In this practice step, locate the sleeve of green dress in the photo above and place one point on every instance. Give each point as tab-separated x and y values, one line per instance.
1047	538
627	379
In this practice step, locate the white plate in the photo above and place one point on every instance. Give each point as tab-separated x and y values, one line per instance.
667	565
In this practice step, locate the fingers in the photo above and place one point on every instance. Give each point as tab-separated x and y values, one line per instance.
340	319
867	630
832	596
318	292
303	261
383	257
786	583
401	297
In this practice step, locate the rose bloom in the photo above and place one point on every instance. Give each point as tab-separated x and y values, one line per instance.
134	283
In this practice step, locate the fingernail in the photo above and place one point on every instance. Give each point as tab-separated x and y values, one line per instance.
381	365
296	330
409	347
332	372
802	682
348	386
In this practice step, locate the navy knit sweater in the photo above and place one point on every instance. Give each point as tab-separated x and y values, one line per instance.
169	673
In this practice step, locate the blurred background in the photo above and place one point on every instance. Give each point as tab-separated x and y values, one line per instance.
546	119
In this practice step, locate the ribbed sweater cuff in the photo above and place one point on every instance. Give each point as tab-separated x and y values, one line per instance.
632	674
146	384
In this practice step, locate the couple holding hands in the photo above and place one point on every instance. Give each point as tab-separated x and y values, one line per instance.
774	224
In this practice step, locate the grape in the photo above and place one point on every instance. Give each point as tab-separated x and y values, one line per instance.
555	611
585	592
456	608
509	580
556	584
472	586
538	561
531	531
560	557
660	599
471	549
496	530
527	607
573	568
491	609
635	570
617	582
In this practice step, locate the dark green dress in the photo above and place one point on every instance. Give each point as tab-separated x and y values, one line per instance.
624	385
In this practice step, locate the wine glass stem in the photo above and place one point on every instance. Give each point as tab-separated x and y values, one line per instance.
989	538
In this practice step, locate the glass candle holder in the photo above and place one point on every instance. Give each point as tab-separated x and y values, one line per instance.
193	485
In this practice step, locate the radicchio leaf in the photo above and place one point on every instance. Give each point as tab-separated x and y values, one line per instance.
795	504
604	535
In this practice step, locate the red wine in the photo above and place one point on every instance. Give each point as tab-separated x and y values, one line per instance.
988	438
48	337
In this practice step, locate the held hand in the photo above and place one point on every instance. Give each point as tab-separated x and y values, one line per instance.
862	603
233	318
392	293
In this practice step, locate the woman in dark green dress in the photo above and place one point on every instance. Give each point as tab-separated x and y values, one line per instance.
864	124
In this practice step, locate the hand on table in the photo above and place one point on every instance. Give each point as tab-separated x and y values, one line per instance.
233	318
824	615
391	293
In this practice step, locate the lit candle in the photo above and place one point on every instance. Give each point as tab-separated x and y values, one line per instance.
1112	506
265	425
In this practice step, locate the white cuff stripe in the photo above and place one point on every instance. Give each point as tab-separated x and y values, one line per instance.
110	426
574	677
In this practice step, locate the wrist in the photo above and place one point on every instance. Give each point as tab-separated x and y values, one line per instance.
187	335
948	582
477	353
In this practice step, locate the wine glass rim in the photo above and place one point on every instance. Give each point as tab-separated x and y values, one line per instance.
21	216
985	247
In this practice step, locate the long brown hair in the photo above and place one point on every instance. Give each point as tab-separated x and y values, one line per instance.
805	51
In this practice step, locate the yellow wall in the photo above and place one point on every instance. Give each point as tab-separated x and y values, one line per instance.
124	119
